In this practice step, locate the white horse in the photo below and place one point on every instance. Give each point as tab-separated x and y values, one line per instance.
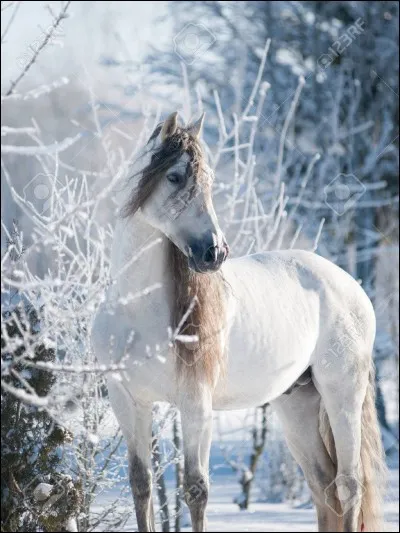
208	334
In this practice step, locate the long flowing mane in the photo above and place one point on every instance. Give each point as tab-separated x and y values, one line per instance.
201	294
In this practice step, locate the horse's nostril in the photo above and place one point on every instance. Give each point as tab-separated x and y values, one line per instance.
211	255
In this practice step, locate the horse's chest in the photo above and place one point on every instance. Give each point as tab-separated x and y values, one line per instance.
139	343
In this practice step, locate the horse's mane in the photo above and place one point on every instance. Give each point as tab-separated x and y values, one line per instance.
202	294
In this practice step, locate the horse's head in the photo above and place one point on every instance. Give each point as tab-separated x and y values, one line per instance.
173	193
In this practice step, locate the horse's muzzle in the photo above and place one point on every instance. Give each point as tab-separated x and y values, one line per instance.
205	256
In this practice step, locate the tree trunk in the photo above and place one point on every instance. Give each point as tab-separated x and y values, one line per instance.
259	439
178	475
161	488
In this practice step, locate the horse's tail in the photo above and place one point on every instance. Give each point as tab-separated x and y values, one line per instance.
373	464
372	461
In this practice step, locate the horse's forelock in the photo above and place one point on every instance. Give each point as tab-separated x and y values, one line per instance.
164	156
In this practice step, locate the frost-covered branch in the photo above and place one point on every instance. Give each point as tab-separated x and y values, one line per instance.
62	15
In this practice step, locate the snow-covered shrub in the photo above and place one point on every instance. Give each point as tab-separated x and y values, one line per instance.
32	442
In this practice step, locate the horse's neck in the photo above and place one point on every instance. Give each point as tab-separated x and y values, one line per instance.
139	260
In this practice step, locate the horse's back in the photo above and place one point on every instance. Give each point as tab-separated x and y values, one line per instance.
313	273
340	296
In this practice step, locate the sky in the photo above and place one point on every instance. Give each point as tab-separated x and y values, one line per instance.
92	31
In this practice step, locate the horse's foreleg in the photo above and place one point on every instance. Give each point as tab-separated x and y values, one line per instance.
135	422
196	416
299	413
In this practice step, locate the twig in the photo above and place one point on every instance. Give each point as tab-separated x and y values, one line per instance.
41	150
317	237
288	119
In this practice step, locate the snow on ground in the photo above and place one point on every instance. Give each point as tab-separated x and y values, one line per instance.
223	515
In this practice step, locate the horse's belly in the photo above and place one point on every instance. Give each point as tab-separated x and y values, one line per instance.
261	379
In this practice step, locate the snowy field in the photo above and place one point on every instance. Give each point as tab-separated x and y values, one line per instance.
223	515
231	442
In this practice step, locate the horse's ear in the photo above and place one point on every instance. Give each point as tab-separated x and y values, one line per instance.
169	126
196	128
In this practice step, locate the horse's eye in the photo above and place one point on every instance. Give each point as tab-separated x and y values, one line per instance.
174	178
